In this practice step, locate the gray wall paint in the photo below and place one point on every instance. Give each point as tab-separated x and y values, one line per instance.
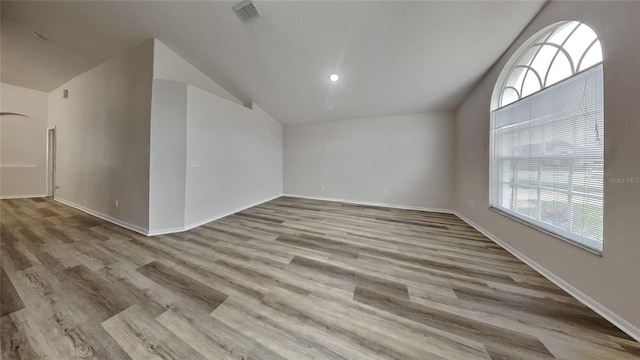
167	65
409	156
613	279
23	143
239	151
103	137
168	155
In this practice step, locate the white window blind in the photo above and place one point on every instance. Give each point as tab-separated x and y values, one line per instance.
548	158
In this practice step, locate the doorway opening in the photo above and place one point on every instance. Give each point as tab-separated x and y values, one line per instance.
51	162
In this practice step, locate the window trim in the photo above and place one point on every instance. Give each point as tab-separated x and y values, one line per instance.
582	246
537	39
541	39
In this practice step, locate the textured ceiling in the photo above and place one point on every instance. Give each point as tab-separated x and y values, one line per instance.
393	57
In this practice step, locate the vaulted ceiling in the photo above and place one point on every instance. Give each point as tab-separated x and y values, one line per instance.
393	57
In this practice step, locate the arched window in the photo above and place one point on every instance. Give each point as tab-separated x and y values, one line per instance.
548	134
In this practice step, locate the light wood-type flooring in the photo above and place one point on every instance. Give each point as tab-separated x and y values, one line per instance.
288	279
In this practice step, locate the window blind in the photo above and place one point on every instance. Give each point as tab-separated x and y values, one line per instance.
548	158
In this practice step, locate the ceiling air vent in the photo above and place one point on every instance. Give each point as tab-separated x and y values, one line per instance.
246	10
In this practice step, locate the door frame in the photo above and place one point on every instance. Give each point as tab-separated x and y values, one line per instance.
51	161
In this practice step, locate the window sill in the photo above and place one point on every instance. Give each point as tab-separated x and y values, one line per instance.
565	239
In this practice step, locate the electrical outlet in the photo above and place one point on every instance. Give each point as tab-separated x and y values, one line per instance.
195	163
116	203
385	193
321	187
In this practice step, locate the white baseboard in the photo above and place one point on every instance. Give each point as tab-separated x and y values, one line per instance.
102	216
26	196
369	203
171	230
609	315
207	220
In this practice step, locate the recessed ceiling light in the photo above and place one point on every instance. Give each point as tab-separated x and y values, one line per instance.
40	36
334	77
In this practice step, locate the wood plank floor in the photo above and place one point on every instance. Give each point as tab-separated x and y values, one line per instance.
289	279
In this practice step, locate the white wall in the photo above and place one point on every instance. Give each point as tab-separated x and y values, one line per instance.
167	174
103	137
239	151
612	280
126	134
23	142
167	65
410	156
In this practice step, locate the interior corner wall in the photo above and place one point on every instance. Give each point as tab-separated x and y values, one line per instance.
411	157
103	138
167	65
234	157
210	155
613	280
23	142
